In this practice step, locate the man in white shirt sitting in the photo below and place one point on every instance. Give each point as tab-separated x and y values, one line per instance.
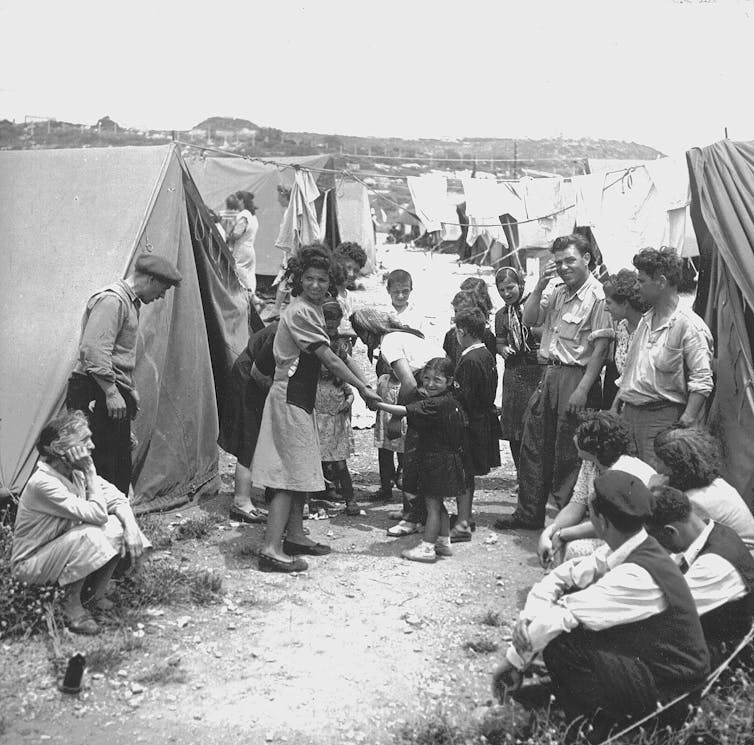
716	564
618	630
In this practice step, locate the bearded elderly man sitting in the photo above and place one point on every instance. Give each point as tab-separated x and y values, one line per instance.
73	527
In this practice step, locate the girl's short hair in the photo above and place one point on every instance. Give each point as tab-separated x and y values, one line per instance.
440	366
315	256
62	433
479	287
623	287
691	454
353	251
472	321
605	435
464	298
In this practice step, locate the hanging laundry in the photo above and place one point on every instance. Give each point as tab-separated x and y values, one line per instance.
588	193
671	179
299	226
486	201
550	209
433	206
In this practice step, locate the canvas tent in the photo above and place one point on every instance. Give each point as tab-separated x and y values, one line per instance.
217	177
722	210
72	221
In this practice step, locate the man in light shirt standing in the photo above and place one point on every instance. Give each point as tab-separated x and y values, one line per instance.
619	630
716	564
549	464
668	372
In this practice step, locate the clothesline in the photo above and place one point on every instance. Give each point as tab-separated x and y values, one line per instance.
472	158
349	174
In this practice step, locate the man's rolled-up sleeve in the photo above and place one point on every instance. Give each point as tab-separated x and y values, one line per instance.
99	335
697	358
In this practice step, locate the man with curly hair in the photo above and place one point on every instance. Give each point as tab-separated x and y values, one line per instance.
716	564
668	371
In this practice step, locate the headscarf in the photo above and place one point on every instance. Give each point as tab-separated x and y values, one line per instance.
518	333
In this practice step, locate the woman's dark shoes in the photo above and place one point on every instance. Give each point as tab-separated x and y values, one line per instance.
512	522
297	549
271	564
253	515
381	495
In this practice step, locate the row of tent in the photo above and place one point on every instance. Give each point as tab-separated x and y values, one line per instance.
72	220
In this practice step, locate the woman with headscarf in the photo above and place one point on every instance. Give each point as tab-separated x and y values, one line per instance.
406	352
517	345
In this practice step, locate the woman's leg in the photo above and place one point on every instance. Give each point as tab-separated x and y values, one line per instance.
464	502
515	446
387	474
242	505
96	583
433	525
279	513
71	603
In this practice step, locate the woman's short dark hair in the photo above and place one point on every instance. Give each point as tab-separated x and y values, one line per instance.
353	251
691	454
479	287
623	287
315	256
471	321
246	198
232	202
605	435
665	262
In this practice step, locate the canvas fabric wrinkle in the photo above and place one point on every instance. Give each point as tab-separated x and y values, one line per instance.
484	205
588	192
300	225
433	206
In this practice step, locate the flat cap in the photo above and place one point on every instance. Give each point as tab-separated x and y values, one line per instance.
158	267
627	493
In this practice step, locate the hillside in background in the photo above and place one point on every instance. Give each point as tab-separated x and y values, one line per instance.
382	162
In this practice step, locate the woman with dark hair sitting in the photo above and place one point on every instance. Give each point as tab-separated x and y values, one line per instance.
72	526
689	460
603	441
287	459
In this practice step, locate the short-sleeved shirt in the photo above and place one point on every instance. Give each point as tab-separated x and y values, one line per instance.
589	472
412	317
724	505
669	363
302	329
570	317
400	345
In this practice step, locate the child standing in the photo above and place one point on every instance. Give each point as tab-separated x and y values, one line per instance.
465	300
399	287
333	409
439	422
350	259
476	378
388	387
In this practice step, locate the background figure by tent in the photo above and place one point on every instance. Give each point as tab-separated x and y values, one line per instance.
241	238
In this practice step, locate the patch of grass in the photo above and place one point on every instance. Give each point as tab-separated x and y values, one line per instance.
105	653
492	618
439	728
481	646
163	672
196	526
23	607
156	528
165	583
247	551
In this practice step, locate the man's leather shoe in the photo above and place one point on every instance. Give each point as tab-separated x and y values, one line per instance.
512	522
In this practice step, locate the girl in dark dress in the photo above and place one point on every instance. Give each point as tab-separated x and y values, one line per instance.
250	379
476	380
517	345
439	422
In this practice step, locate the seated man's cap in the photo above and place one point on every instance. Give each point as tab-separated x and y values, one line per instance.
627	493
158	267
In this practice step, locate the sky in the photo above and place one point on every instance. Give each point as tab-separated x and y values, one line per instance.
667	73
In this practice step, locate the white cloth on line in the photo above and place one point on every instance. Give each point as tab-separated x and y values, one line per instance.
299	226
433	206
588	192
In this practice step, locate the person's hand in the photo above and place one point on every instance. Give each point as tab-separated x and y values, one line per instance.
576	401
132	541
346	405
137	401
81	459
506	352
505	678
686	420
521	640
550	272
116	404
370	398
545	550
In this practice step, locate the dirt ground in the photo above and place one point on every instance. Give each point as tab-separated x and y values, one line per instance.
344	653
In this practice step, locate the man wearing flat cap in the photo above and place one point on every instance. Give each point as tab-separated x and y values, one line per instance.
618	630
101	384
